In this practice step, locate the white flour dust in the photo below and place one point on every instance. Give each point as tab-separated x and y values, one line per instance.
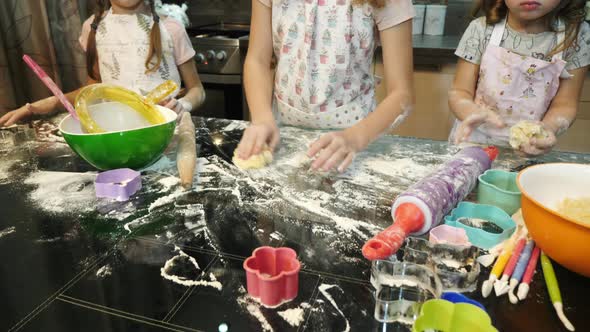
104	271
168	183
7	231
293	316
324	290
183	281
60	192
253	308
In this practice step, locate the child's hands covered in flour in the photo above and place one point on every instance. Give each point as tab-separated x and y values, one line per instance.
335	150
478	117
256	137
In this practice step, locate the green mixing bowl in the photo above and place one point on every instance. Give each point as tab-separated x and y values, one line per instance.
119	147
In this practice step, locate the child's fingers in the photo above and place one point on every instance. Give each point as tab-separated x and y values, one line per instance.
496	121
544	143
336	159
531	150
259	143
5	118
274	140
318	145
324	156
246	144
165	102
347	161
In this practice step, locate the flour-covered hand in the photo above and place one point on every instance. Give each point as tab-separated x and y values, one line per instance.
477	118
334	150
258	136
538	146
13	117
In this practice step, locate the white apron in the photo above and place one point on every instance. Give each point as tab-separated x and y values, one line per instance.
324	53
122	43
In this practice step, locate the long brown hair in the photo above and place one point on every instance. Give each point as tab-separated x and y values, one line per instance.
571	12
374	3
155	41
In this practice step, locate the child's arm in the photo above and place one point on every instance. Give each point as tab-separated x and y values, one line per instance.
461	102
561	113
340	147
43	106
195	95
258	81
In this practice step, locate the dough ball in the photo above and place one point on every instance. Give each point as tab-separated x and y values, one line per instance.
522	132
577	209
255	161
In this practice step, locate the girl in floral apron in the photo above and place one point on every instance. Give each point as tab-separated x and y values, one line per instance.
129	45
323	77
521	63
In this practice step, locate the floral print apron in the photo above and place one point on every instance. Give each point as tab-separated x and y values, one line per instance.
122	43
514	86
324	51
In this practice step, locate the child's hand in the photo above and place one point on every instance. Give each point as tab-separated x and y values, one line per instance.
256	136
336	149
539	146
13	117
476	119
177	105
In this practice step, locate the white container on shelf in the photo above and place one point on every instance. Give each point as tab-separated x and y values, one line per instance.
418	22
434	21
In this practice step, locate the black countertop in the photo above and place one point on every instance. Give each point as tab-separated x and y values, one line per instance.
71	262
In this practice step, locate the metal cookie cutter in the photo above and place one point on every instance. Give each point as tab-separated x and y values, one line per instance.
119	184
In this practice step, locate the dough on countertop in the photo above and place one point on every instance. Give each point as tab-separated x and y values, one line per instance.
577	209
255	161
522	132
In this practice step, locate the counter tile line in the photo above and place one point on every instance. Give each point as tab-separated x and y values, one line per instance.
123	314
187	294
192	248
31	315
311	299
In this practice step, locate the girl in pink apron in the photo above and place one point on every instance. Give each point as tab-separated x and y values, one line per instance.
514	68
323	77
120	44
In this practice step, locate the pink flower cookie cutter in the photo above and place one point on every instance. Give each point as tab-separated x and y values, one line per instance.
272	275
119	184
445	234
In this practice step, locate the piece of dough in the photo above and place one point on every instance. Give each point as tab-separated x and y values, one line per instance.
522	132
577	209
255	161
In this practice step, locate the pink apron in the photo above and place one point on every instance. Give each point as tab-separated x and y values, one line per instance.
514	86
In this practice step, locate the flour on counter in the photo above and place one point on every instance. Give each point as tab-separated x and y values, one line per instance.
183	281
293	316
61	192
104	271
253	308
168	183
7	231
324	290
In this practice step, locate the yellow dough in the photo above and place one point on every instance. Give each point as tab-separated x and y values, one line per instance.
577	209
523	131
256	161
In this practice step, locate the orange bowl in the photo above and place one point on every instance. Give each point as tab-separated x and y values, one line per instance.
565	240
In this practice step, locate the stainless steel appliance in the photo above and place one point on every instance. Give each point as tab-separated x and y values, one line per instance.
219	63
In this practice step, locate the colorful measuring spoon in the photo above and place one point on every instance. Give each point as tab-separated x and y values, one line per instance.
49	83
554	293
523	288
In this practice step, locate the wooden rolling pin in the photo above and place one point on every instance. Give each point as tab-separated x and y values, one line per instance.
186	155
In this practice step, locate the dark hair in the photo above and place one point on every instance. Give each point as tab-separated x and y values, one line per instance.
571	12
155	41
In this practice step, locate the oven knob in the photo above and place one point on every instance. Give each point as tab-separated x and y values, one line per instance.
210	55
200	58
221	56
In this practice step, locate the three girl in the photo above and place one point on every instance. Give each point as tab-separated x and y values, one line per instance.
525	60
128	44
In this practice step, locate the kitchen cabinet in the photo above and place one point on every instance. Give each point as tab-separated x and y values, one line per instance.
432	118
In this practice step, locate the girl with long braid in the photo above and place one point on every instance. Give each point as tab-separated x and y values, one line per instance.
128	44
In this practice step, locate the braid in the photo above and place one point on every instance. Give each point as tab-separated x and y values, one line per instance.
91	53
155	42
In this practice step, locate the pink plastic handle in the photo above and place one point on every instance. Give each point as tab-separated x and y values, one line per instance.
531	267
50	85
514	258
